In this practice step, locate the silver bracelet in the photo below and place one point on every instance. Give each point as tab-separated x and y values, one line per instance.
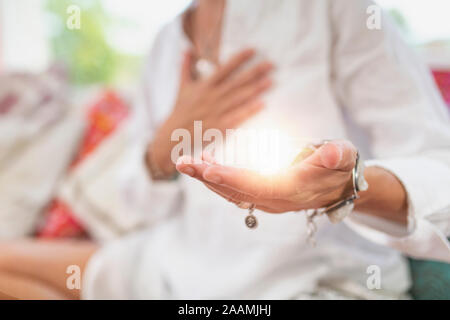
339	210
156	173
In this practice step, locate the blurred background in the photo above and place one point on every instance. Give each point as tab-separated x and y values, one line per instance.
116	35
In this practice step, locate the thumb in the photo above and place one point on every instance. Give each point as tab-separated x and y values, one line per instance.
186	67
335	155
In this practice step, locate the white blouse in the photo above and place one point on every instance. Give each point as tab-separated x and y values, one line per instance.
334	79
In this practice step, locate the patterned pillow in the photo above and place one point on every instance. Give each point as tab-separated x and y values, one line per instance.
104	117
442	78
431	280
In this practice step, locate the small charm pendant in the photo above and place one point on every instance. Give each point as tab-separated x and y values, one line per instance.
204	68
250	220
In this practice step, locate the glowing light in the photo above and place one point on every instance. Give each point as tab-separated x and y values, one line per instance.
266	151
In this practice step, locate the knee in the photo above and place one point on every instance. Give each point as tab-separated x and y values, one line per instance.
6	258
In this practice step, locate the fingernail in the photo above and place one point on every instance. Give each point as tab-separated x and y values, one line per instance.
331	155
188	170
212	178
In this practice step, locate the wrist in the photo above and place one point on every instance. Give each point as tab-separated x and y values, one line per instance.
386	198
366	197
345	191
351	192
158	157
348	189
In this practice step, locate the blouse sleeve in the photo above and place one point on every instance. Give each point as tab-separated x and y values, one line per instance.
387	92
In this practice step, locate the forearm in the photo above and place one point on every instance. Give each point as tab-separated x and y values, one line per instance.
386	197
159	152
158	161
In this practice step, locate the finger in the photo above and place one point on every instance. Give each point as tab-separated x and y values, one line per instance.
253	74
270	209
244	181
196	171
186	68
336	155
245	94
241	180
208	157
191	167
235	117
186	165
230	194
268	205
304	153
231	66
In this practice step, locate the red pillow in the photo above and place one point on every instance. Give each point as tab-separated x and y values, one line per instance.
443	81
104	117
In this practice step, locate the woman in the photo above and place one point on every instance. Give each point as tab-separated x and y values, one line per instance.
334	79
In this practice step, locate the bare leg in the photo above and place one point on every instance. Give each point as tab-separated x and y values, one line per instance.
18	287
43	265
